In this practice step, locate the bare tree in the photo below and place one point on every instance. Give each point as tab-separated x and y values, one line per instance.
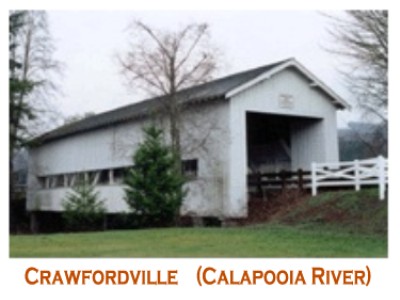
361	38
35	52
161	63
32	83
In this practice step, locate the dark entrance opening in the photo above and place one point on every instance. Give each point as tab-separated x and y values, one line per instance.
277	147
268	143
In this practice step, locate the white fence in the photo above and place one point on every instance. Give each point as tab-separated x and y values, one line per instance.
356	173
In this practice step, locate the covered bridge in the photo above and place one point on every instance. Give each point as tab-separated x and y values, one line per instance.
278	116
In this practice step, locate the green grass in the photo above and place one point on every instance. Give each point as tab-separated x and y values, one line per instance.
357	212
256	241
345	224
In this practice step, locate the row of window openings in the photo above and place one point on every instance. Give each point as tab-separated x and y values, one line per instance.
104	177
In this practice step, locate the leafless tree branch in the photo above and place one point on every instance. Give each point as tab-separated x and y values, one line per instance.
361	38
162	63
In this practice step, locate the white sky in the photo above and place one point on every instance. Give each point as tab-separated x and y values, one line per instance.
87	42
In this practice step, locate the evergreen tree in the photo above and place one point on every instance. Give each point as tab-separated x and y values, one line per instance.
18	110
31	66
82	208
18	87
154	188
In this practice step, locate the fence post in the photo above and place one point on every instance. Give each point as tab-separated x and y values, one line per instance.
357	174
258	184
382	177
283	176
314	178
300	179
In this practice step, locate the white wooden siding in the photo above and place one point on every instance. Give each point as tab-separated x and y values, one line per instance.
317	141
113	147
220	189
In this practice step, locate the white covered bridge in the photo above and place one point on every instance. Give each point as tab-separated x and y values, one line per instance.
278	116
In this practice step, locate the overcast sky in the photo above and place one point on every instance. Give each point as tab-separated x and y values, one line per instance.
87	43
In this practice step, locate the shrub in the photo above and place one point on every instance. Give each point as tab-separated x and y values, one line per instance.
83	210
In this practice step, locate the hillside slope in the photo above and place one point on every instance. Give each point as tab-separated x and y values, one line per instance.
358	212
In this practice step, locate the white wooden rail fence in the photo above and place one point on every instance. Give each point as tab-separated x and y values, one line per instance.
359	172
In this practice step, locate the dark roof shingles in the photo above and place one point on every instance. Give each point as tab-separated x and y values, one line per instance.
210	90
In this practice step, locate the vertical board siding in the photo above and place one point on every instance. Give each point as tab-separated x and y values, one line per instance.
311	140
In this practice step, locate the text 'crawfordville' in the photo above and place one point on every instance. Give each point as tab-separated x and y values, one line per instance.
205	276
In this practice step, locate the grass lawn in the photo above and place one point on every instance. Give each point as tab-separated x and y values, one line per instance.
268	240
333	224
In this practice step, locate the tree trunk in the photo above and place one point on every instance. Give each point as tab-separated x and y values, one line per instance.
175	136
